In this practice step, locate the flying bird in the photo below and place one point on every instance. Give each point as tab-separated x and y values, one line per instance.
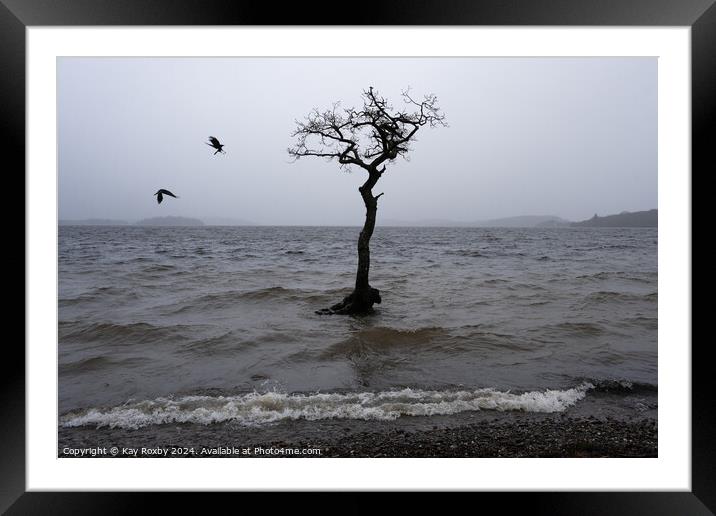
160	195
213	142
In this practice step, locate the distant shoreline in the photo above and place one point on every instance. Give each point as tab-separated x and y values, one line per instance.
570	227
647	218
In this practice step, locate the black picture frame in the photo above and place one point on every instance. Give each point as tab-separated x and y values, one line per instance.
700	15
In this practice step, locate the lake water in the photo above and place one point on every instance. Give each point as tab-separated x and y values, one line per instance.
159	325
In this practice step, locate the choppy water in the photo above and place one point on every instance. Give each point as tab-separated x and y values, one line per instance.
214	324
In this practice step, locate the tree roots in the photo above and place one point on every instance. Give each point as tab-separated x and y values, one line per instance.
360	302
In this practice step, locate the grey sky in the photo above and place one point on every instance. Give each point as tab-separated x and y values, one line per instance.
528	136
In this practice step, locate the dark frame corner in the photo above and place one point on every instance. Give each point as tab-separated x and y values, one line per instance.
700	15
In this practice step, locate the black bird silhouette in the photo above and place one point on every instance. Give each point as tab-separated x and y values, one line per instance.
213	142
160	197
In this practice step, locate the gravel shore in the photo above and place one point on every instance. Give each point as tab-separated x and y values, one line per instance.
548	438
499	437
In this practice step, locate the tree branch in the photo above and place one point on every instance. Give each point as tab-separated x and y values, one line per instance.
375	133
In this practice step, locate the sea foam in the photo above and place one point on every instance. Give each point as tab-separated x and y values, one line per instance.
255	409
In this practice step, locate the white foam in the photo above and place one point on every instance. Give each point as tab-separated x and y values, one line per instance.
260	408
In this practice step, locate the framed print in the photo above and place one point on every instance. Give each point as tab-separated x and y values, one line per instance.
414	253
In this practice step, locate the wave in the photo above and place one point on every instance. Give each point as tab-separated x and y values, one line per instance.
77	300
471	253
98	294
605	296
255	409
96	364
617	386
380	339
644	277
230	298
258	294
137	333
158	267
577	328
641	320
494	281
227	342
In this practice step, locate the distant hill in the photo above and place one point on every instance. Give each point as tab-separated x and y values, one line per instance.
170	221
637	219
525	221
226	221
438	223
93	222
556	223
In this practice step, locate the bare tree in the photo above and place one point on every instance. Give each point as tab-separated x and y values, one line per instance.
367	138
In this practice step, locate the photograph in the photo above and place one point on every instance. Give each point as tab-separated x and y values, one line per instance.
357	257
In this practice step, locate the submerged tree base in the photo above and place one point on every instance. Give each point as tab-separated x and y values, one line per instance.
360	302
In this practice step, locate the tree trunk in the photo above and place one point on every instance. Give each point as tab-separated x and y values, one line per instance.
361	300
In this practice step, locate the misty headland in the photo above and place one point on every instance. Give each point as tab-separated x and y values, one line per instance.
624	219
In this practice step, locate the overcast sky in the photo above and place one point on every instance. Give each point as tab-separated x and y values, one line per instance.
527	136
